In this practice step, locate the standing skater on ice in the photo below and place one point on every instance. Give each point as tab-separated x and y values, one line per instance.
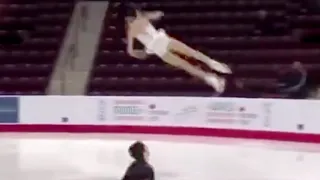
168	49
139	169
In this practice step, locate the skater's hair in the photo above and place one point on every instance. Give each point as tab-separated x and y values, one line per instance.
132	10
136	151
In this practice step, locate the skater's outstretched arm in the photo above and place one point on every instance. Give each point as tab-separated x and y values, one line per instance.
153	15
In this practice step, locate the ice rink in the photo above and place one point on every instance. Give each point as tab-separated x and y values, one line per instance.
105	157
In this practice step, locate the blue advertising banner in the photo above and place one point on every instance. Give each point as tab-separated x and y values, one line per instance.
9	109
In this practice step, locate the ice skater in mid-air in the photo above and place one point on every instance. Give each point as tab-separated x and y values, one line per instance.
157	42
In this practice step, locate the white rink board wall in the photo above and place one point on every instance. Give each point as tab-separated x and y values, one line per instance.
56	109
224	113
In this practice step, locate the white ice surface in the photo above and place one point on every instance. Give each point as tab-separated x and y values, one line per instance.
105	157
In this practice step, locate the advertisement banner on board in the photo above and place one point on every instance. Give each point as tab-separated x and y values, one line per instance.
226	113
231	113
139	109
126	109
102	109
187	113
9	109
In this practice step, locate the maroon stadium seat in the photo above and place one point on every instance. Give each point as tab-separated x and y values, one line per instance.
26	68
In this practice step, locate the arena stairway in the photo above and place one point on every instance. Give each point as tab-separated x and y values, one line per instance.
77	52
227	30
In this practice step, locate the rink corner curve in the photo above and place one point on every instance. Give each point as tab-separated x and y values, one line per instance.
160	130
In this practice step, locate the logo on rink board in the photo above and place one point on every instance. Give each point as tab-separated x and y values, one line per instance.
137	110
154	113
128	110
102	110
267	108
186	113
9	110
226	112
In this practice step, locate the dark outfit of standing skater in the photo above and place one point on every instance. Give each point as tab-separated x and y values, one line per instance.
139	169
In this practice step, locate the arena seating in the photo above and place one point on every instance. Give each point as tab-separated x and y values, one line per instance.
228	30
26	68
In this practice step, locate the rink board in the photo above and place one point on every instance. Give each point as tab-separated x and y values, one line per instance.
281	136
274	119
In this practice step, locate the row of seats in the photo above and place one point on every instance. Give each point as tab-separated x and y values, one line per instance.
228	43
282	56
255	37
26	68
226	30
154	70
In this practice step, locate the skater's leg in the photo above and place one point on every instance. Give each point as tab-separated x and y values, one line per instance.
178	46
180	63
211	79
